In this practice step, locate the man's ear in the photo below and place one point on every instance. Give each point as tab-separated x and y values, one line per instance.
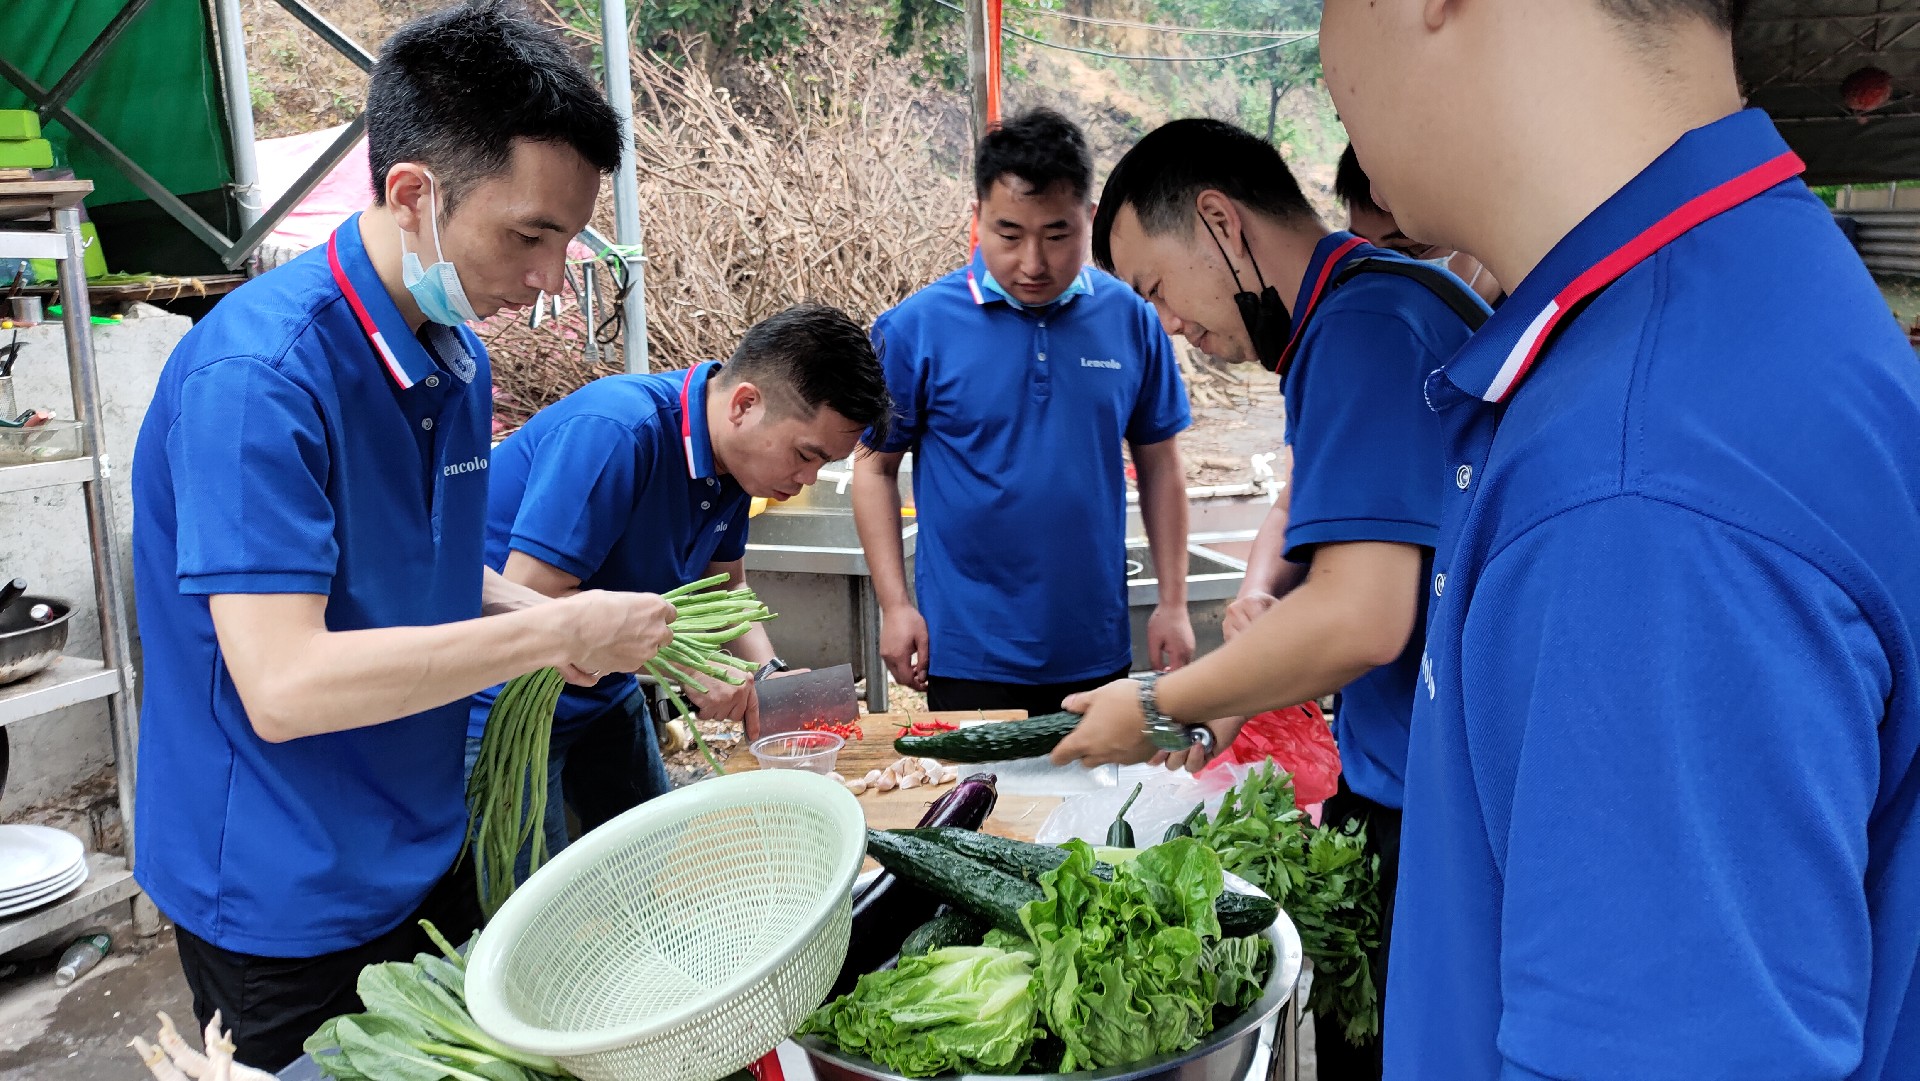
408	193
1221	215
740	402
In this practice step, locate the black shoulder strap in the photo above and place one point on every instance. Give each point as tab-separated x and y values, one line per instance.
1464	301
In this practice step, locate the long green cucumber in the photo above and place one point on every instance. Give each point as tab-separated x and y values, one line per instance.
1000	741
995	897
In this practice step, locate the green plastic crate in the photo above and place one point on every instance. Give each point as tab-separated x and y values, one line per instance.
19	124
26	154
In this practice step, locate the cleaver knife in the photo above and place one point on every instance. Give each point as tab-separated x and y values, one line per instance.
824	694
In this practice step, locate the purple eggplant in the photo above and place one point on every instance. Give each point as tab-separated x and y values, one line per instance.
887	910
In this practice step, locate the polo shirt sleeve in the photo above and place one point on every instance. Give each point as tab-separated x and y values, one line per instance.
1689	714
248	453
1161	411
1367	457
905	368
582	482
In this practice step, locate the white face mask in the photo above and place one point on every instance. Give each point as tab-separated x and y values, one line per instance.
436	288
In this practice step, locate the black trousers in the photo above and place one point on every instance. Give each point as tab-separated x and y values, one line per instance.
1338	1059
944	693
272	1004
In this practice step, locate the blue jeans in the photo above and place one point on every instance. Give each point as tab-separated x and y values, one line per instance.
601	767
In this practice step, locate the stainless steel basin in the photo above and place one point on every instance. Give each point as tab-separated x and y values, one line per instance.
812	542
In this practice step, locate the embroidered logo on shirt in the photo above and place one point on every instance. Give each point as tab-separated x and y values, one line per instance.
1426	673
1088	362
474	464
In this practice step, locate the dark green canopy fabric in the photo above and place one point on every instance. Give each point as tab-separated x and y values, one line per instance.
1795	54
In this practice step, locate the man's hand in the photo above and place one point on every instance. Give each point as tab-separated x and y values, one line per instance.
726	702
1246	608
1111	727
903	645
1169	637
603	631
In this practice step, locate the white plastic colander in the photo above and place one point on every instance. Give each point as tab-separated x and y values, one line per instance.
682	940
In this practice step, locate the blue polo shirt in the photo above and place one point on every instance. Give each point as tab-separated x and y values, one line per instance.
1661	797
602	485
1016	417
1365	451
283	453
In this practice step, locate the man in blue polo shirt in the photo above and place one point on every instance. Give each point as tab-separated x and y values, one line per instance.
1196	212
641	483
309	520
1661	795
1017	379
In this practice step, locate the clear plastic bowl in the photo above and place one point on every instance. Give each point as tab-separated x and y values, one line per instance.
814	752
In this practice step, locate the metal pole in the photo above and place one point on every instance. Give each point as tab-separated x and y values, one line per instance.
979	74
77	313
233	79
618	54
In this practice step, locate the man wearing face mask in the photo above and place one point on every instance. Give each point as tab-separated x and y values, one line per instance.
310	498
1371	222
641	483
1196	217
1017	379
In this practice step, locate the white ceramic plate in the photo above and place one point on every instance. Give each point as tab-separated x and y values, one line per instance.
10	896
47	896
36	855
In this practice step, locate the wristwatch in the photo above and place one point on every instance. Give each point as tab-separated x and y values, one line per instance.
769	668
1163	731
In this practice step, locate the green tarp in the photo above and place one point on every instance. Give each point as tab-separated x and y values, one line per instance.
156	96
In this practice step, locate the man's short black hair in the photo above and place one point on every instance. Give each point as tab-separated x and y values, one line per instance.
1040	147
1351	186
1721	13
454	89
1165	172
814	355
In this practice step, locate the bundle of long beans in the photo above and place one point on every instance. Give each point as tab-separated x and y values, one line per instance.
705	620
507	793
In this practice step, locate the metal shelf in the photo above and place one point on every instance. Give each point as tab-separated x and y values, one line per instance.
71	681
21	478
108	882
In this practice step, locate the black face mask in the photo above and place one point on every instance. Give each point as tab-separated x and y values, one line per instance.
1268	322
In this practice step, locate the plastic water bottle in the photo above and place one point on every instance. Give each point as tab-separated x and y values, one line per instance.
86	952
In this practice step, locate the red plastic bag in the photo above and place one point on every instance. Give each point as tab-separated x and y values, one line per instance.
1299	740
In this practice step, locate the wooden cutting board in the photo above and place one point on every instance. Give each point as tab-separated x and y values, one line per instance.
1018	817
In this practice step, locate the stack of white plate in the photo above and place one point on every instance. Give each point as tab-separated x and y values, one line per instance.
38	866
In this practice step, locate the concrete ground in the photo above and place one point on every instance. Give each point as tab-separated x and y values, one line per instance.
80	1032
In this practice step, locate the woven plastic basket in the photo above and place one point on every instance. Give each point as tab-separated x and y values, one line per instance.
682	940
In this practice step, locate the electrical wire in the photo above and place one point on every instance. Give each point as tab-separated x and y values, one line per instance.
1305	35
1130	24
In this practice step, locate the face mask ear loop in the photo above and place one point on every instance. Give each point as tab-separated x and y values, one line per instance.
433	216
1237	287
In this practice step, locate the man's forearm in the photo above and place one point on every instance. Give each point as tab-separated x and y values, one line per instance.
353	679
500	594
876	516
1308	645
1268	570
1163	511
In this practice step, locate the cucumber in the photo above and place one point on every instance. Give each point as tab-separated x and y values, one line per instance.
993	896
1239	913
998	742
947	929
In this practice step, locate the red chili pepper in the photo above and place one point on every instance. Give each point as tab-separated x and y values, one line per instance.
849	730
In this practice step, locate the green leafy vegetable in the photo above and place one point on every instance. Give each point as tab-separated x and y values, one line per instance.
1241	967
959	1009
417	1028
1322	878
1121	971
